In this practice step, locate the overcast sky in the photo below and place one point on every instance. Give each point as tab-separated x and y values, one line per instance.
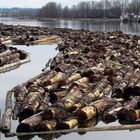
34	3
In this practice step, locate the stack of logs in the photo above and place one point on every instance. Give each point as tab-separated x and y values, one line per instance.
11	58
95	76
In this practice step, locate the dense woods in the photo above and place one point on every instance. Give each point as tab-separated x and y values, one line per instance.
90	9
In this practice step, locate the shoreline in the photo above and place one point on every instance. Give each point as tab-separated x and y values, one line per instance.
79	19
67	19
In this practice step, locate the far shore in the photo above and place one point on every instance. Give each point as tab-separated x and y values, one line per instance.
80	19
67	19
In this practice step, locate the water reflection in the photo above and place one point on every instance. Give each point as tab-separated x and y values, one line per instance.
131	28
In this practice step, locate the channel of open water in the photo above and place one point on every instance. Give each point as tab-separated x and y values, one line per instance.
39	57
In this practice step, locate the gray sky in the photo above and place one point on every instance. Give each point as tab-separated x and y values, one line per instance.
34	3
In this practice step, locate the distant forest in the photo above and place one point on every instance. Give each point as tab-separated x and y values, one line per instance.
92	9
84	9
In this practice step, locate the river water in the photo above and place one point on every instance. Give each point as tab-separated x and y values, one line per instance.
41	54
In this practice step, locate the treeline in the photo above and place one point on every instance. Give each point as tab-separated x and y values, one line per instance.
92	9
19	12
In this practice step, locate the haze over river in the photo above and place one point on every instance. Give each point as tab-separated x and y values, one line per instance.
39	57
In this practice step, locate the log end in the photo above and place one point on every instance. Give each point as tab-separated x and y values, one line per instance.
23	127
108	118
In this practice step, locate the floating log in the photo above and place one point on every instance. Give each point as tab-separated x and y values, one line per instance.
19	94
94	109
14	65
44	103
88	124
31	103
69	123
30	124
47	125
123	114
111	114
6	118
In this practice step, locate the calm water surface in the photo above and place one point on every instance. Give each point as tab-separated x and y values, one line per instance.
41	54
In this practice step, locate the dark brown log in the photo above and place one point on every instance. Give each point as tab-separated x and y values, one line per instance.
90	123
3	48
30	124
125	111
111	114
56	96
130	116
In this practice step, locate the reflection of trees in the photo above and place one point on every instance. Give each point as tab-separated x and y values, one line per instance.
49	136
26	137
